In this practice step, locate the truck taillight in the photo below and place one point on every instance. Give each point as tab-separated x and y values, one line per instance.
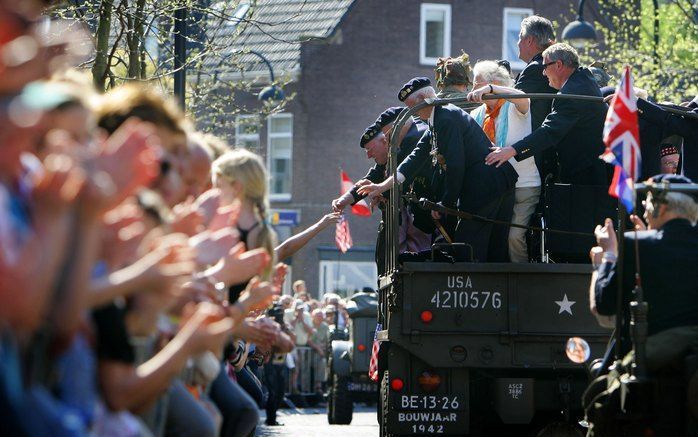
361	347
429	380
426	316
396	384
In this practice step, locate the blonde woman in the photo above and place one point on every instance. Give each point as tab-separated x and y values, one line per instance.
242	178
505	122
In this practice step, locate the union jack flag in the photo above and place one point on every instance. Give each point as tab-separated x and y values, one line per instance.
373	364
622	138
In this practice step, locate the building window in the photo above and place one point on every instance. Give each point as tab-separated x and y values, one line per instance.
231	18
247	132
511	26
434	32
279	153
347	277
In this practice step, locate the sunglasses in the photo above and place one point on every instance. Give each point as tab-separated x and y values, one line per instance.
549	64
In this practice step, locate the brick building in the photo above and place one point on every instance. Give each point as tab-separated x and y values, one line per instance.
347	60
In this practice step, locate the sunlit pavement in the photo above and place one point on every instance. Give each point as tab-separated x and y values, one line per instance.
312	422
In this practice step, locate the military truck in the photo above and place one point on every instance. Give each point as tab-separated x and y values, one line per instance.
468	346
479	348
348	361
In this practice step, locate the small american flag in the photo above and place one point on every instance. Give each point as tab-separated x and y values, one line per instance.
342	236
373	365
622	138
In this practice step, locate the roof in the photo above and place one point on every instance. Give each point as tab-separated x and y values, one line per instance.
276	29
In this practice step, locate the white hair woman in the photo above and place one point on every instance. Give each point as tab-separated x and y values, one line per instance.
505	122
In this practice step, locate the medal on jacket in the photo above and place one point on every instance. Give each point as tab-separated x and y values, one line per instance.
436	157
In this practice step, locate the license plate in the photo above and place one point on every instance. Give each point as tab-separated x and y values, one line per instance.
429	422
430	402
363	386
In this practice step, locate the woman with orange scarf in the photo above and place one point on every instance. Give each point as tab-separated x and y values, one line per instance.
504	123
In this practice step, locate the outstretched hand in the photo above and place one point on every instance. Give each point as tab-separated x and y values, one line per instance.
371	190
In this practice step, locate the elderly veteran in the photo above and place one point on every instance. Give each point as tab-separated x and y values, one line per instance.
416	225
573	127
456	147
504	123
453	77
668	256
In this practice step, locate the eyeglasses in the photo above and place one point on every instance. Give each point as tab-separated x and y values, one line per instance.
549	64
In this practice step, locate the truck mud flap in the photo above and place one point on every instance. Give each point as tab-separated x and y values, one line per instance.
514	400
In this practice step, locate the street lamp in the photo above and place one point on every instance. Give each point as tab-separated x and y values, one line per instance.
579	32
270	92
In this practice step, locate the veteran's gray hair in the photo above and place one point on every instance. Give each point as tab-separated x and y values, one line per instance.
541	29
683	205
418	96
491	72
562	52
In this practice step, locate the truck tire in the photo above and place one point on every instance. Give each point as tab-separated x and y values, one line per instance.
330	398
340	399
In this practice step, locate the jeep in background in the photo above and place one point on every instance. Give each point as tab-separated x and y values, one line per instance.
349	358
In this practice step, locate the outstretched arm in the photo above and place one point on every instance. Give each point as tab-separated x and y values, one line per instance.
296	243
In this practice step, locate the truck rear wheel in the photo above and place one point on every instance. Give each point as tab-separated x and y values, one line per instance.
340	406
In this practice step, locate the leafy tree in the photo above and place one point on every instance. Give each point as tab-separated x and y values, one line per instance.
133	41
665	66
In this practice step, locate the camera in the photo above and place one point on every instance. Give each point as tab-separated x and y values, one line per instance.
276	312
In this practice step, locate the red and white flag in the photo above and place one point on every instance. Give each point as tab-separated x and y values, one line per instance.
359	208
373	364
342	236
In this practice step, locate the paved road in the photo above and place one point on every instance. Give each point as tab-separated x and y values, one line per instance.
312	422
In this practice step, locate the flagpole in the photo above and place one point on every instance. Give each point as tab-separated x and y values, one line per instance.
619	277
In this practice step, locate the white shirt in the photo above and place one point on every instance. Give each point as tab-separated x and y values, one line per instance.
519	127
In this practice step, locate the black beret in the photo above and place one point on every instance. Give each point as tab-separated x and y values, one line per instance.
674	179
671	179
388	116
413	85
370	133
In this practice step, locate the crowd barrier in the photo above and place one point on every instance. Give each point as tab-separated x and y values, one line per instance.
311	369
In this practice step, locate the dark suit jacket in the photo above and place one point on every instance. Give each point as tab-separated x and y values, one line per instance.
575	129
531	80
466	181
662	124
668	260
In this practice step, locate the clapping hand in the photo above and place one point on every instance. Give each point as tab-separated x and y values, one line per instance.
130	156
207	329
210	246
238	266
257	295
279	276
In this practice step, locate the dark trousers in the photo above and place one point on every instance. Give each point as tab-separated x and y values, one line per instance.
486	242
249	382
239	410
274	379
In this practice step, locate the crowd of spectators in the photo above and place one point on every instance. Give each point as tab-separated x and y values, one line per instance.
138	273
